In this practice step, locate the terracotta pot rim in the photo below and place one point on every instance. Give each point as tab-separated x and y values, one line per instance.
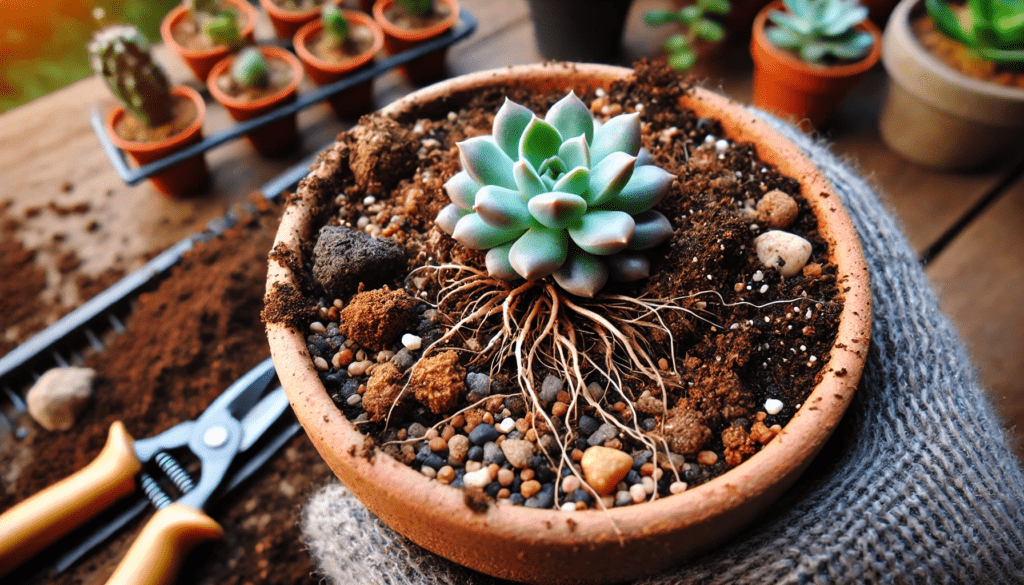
898	32
310	28
736	496
763	48
418	34
179	12
115	113
268	51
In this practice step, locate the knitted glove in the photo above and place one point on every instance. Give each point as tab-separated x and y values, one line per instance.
917	485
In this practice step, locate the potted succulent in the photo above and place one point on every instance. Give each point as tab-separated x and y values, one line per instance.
288	16
154	119
407	23
254	82
587	31
697	25
956	91
202	32
338	44
547	215
808	57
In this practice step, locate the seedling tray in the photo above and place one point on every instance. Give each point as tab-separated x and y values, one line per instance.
462	29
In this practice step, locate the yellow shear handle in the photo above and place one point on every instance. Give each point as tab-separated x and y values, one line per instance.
156	556
42	519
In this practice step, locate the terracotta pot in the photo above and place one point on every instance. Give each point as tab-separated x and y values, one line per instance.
551	546
355	100
279	136
287	22
183	178
589	31
939	117
802	92
201	61
429	67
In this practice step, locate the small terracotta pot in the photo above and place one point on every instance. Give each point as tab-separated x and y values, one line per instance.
355	100
429	67
804	93
287	22
551	546
200	62
936	116
184	178
276	137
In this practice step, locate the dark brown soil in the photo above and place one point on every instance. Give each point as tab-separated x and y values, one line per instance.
747	333
959	57
185	342
132	128
21	310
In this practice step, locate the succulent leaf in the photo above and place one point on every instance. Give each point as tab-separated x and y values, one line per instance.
509	123
645	189
449	216
620	134
538	252
497	263
527	179
603	232
576	181
582	274
502	208
575	152
628	266
652	229
472	232
461	189
485	162
817	29
539	143
557	210
609	177
571	117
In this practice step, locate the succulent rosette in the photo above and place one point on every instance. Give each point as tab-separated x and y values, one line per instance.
565	196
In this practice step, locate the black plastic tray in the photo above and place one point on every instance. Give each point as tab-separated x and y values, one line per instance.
465	26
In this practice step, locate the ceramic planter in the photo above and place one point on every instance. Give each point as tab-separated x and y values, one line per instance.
355	100
802	92
279	136
429	67
183	178
588	31
287	22
201	61
550	546
936	116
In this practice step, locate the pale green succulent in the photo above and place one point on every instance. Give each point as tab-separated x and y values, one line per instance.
564	196
249	69
816	29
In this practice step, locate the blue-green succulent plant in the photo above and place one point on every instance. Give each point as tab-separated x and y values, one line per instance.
817	29
565	196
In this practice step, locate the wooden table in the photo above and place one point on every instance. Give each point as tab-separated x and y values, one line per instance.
52	162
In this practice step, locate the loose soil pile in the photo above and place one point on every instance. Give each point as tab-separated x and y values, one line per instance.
737	346
185	342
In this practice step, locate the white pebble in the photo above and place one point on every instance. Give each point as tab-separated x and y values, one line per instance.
677	487
354	399
709	139
411	342
648	483
452	116
721	146
428	471
638	493
758	276
773	406
599	92
763	289
317	327
477	479
506	425
369	200
789	252
568	507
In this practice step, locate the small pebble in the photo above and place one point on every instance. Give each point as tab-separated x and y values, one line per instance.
359	368
529	488
707	458
506	477
317	327
789	252
411	342
437	444
517	452
507	425
622	498
59	396
677	487
637	493
446	474
458	448
429	472
354	399
570	484
478	478
483	433
595	391
773	406
604	468
321	364
568	507
605	432
550	388
721	146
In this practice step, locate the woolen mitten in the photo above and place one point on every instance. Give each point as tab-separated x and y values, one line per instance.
917	485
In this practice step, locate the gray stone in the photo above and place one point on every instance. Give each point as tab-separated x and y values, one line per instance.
344	257
479	386
404	359
493	454
603	433
60	394
550	388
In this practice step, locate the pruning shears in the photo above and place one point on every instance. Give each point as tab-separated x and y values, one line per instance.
232	423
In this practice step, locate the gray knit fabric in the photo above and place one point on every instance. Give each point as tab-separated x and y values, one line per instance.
918	485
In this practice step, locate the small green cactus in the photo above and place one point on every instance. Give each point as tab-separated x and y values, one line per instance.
995	31
336	27
416	7
249	69
816	29
564	196
218	23
121	55
696	25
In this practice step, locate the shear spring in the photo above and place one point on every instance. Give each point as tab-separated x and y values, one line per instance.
153	491
175	472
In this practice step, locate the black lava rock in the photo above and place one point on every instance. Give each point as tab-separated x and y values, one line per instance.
344	257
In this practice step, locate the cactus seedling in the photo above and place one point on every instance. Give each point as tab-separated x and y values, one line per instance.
336	26
249	69
818	29
696	25
218	23
416	7
995	31
563	196
121	55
